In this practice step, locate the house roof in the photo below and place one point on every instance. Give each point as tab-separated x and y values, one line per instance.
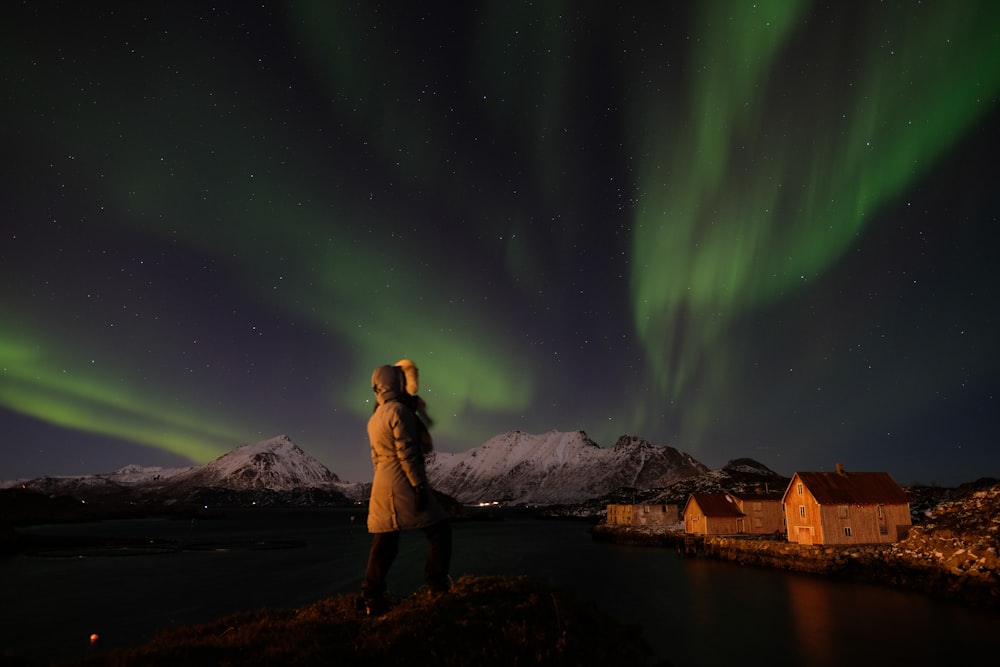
715	504
853	487
750	496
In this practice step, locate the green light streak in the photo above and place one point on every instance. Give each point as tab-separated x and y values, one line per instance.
37	385
758	200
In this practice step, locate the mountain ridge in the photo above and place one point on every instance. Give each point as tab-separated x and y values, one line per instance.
566	469
272	471
555	467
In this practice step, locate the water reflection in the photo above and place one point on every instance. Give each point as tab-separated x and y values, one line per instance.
736	615
812	618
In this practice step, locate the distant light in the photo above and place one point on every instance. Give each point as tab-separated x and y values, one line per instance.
94	637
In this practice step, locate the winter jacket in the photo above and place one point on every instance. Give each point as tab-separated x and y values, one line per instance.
394	435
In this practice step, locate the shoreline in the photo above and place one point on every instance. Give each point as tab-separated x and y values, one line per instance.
917	564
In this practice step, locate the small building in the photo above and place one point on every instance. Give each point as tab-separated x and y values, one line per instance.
713	514
764	512
846	508
643	514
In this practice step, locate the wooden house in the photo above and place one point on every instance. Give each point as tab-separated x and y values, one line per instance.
713	514
764	512
643	514
846	508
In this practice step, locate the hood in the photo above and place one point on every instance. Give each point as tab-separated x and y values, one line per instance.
388	383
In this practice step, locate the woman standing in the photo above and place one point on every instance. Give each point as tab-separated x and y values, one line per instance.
401	497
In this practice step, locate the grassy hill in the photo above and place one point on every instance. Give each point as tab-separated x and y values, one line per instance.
481	621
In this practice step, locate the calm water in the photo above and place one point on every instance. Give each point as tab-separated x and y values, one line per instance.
693	611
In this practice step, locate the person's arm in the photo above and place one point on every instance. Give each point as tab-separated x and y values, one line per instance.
406	432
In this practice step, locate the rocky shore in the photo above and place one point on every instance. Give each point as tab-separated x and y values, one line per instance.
951	553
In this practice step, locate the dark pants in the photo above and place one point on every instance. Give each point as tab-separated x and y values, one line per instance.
385	547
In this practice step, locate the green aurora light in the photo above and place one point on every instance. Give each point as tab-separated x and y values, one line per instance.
766	182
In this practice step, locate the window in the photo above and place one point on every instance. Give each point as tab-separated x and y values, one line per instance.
802	511
880	511
798	488
843	511
847	531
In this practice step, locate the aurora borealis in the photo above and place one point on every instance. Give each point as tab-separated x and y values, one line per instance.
758	230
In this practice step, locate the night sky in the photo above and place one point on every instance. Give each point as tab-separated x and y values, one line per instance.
742	229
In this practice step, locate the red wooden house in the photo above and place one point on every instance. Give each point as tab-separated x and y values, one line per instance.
713	514
846	508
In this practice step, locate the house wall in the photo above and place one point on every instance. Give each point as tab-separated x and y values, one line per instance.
802	514
646	514
619	515
763	517
694	519
725	525
864	523
656	515
898	520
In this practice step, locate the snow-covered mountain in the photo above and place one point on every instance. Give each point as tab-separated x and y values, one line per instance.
556	467
274	466
277	464
128	480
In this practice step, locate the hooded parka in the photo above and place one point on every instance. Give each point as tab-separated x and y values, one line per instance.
394	431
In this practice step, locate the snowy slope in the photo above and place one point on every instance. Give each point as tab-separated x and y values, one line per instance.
555	467
277	464
136	474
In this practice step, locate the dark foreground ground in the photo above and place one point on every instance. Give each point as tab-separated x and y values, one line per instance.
481	621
